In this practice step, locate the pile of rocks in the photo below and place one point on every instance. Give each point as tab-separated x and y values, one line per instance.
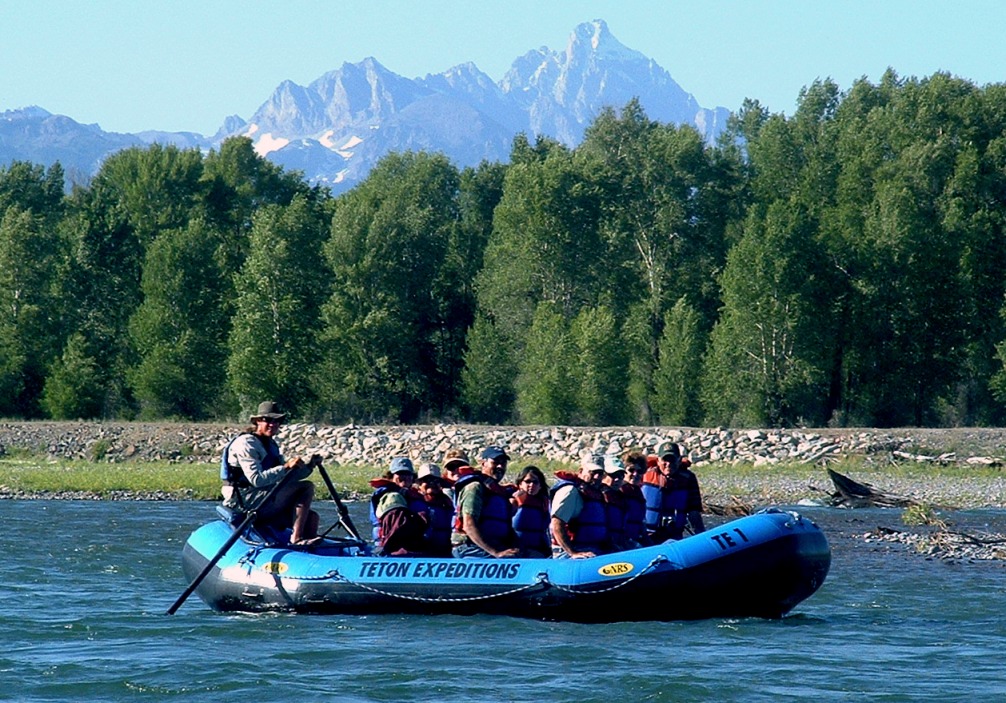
371	445
353	444
100	441
951	547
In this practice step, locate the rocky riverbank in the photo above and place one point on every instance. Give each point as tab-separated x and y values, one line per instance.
354	444
351	444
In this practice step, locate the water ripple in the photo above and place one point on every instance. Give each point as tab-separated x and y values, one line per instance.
82	617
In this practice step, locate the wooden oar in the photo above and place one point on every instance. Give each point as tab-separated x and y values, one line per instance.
344	519
238	531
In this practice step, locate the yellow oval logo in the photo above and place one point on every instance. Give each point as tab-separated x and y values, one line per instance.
274	567
619	569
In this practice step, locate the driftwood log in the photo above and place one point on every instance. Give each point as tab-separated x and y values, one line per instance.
852	494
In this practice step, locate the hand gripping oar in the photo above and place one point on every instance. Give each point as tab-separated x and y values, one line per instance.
238	531
344	519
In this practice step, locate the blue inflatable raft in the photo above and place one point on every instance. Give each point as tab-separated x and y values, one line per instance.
761	565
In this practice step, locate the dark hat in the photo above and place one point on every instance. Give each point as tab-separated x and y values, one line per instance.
672	453
268	410
493	452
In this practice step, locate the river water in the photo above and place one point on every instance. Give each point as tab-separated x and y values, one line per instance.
85	586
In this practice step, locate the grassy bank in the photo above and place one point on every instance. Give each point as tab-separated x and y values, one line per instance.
950	485
33	476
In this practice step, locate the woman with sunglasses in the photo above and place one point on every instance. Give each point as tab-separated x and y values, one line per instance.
635	469
531	517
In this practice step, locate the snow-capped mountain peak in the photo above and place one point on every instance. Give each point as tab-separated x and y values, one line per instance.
338	126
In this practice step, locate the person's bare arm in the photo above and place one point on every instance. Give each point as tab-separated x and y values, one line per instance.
562	539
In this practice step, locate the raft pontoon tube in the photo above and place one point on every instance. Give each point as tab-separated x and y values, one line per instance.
761	565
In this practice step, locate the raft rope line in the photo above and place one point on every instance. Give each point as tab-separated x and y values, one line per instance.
659	559
421	599
540	580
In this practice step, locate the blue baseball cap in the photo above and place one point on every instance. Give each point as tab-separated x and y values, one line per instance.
493	452
402	464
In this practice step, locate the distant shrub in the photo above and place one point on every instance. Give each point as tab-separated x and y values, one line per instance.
99	450
922	515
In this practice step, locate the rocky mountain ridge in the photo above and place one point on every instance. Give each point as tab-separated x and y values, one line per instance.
336	128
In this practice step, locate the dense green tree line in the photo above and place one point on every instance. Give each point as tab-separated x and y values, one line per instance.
842	265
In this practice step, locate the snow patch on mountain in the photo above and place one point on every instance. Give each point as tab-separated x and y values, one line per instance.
269	143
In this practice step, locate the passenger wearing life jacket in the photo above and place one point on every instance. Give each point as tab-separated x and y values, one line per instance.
672	498
579	518
660	508
439	510
399	529
454	459
531	517
252	463
616	506
482	509
631	488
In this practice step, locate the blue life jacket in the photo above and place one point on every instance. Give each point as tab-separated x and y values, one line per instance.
494	521
531	523
654	498
441	520
588	530
416	502
665	504
232	475
635	511
615	510
676	500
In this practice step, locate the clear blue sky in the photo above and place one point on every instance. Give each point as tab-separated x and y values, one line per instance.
185	65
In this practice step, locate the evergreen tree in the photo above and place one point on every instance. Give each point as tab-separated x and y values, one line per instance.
74	388
545	247
98	289
545	386
678	377
487	379
599	368
667	204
